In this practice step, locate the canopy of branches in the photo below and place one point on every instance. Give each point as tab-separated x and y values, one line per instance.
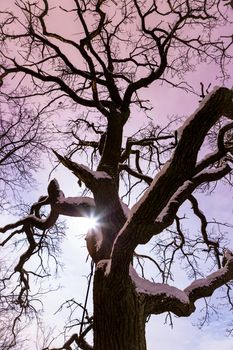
75	77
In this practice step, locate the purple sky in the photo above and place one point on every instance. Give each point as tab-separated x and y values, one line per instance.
166	101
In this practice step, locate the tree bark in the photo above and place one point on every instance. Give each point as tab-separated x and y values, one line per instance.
119	314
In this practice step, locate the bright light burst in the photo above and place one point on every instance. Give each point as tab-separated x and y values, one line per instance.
88	223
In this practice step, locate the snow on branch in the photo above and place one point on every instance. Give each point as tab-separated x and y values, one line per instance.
75	206
35	241
223	104
194	130
34	219
60	205
159	297
89	177
205	287
176	181
167	215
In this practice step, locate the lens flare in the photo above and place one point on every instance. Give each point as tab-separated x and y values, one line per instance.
88	223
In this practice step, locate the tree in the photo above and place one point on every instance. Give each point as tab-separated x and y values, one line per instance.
22	141
100	71
10	328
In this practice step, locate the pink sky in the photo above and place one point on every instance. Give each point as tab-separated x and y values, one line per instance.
166	101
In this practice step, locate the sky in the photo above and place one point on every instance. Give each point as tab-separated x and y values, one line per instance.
159	336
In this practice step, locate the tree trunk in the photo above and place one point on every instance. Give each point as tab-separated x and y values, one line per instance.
119	317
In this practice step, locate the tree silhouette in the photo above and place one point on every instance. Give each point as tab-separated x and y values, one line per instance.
98	68
23	139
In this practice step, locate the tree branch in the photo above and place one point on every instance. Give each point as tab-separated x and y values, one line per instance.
210	243
74	339
60	205
169	182
89	177
159	297
134	173
205	287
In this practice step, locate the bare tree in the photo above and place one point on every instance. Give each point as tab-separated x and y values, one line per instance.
102	67
23	141
10	328
10	340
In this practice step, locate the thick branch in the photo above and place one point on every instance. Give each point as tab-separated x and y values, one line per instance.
178	171
144	82
89	177
161	298
216	156
70	206
205	287
167	215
